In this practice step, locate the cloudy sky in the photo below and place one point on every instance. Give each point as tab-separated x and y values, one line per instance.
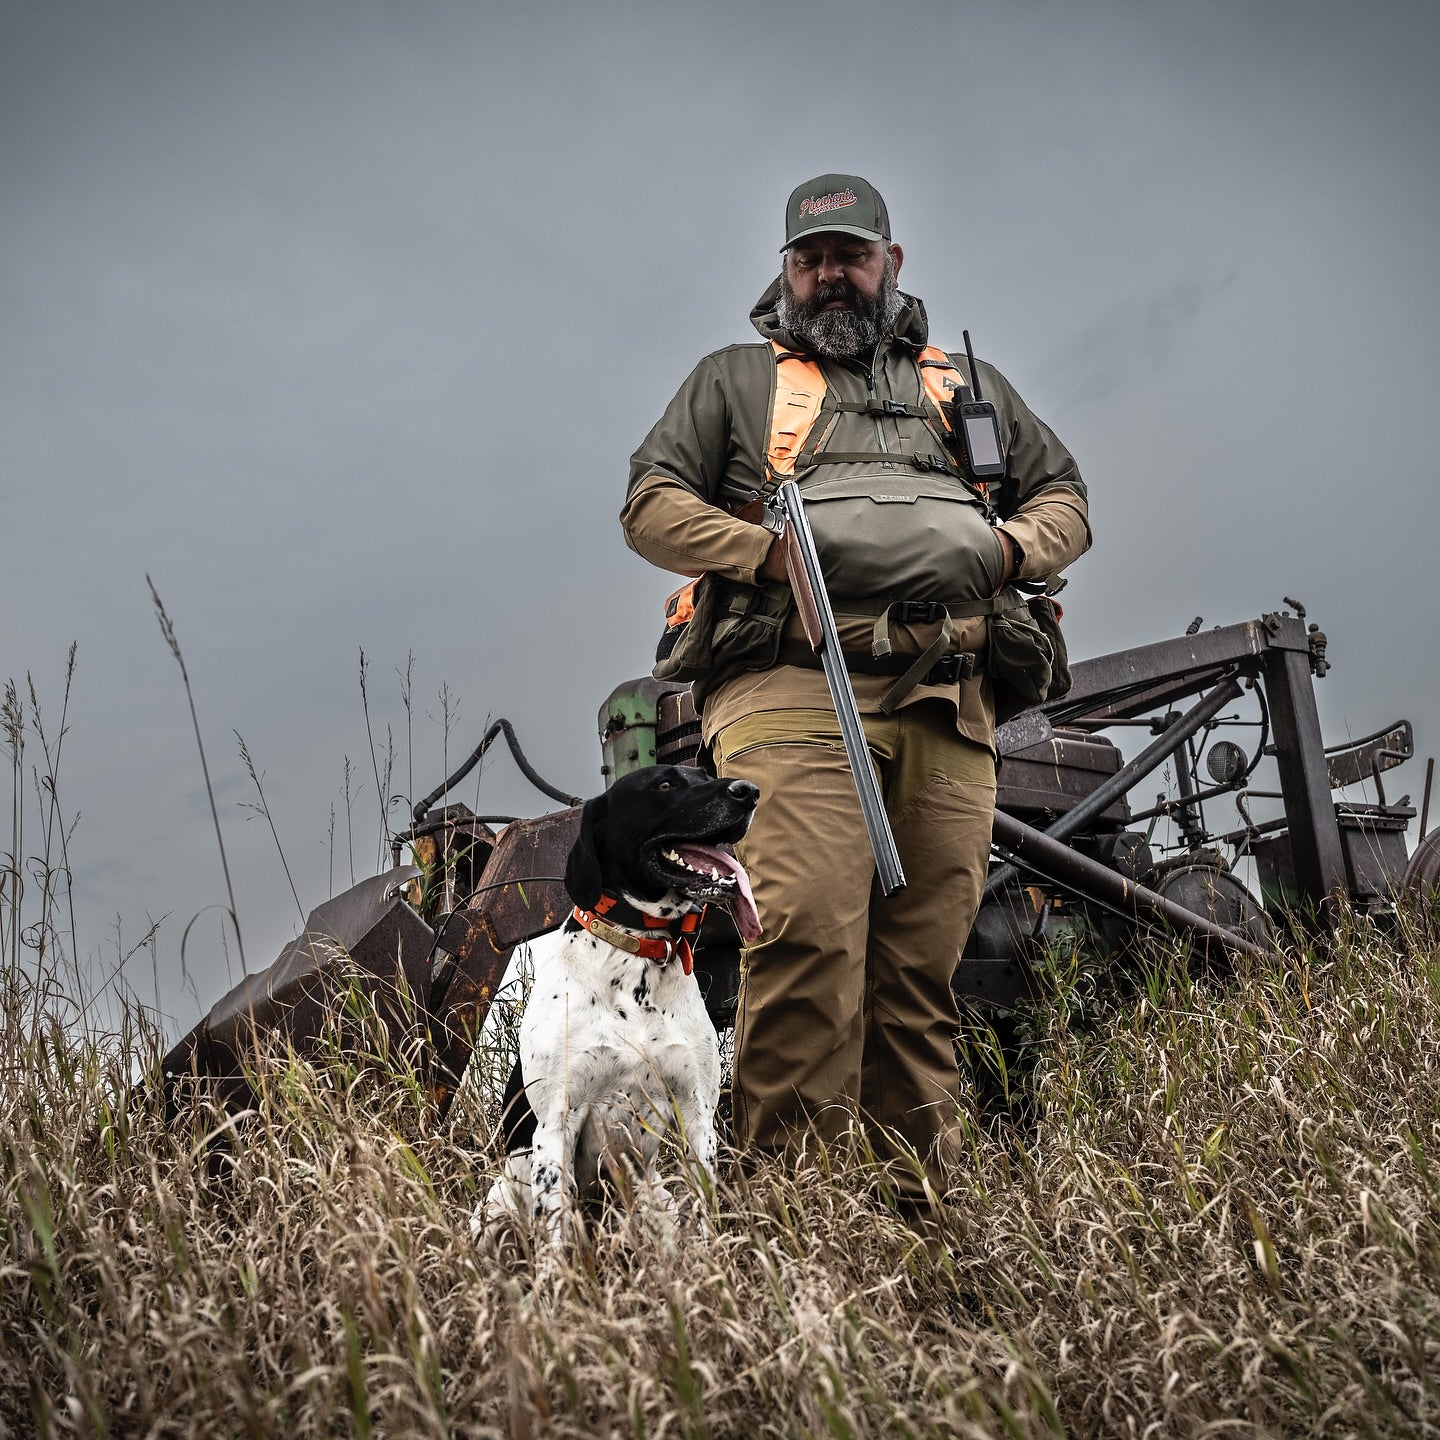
340	320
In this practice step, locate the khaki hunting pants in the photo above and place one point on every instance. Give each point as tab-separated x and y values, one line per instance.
845	1005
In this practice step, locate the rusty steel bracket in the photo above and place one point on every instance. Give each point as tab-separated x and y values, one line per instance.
1129	775
1067	867
1278	651
509	907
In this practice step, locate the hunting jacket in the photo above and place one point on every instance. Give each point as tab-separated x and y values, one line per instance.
708	450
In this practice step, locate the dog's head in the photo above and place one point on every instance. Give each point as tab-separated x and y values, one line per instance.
655	837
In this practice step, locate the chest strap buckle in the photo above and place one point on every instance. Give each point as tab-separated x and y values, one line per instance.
918	612
934	462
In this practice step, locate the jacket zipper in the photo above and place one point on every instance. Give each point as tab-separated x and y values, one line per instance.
874	396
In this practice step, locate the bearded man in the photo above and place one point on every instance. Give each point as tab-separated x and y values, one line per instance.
845	1010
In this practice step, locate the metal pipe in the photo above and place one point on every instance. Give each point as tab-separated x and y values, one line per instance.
1150	758
1425	804
1067	867
1166	808
1191	817
526	769
1254	832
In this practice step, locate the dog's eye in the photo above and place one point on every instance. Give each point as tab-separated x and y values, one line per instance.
664	785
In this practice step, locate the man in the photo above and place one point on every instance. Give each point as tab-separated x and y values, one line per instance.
845	1005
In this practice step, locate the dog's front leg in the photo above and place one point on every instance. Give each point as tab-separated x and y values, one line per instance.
697	1121
552	1176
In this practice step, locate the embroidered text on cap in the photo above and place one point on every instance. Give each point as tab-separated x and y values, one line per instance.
813	205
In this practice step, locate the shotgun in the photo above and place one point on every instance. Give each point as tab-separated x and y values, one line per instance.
818	619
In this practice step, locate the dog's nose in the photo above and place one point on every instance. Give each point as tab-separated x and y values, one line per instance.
745	790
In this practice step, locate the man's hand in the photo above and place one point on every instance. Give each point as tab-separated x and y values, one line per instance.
1012	559
774	566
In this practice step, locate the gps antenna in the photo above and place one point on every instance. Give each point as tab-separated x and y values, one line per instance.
974	373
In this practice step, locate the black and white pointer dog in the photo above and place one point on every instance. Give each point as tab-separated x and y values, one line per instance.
616	1049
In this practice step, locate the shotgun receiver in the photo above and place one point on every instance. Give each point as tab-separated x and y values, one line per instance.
788	510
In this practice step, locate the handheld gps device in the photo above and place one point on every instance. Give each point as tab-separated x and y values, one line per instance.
977	428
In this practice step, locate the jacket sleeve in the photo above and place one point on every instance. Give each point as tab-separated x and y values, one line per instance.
1049	514
671	516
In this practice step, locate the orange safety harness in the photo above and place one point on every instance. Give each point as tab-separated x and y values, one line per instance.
796	401
676	943
799	397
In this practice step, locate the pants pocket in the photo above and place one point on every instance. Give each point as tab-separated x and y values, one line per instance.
775	727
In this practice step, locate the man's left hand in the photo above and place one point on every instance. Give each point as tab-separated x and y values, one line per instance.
1012	559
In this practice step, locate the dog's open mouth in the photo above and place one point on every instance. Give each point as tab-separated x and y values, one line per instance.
711	873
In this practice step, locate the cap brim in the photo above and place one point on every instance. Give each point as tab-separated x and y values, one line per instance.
855	230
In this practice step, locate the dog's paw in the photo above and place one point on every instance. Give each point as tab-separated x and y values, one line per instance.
654	1226
693	1209
697	1212
498	1235
496	1224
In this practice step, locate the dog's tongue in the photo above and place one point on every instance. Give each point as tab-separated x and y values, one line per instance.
741	903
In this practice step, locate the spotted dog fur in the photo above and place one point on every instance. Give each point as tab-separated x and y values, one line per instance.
616	1050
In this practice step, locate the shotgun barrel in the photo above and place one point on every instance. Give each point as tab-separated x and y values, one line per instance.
819	621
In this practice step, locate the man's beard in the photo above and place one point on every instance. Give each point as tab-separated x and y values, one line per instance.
842	334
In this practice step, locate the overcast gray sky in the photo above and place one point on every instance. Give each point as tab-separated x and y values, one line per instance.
341	320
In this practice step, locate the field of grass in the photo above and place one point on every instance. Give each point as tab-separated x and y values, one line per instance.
1205	1209
1189	1207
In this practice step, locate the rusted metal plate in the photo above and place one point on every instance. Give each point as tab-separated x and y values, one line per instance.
453	845
512	905
1052	777
1030	727
517	900
1315	851
368	937
1372	840
1367	758
1071	749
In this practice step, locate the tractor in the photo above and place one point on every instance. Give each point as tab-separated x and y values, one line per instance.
1245	832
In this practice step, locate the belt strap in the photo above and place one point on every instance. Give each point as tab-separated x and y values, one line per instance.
947	671
927	612
880	645
931	667
919	460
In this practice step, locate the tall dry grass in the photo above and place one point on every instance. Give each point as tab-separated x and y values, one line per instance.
1208	1209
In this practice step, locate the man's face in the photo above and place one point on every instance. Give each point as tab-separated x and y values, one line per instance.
835	268
838	293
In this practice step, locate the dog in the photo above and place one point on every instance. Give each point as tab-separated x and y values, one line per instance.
616	1049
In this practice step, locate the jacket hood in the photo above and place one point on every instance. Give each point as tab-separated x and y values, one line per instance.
911	325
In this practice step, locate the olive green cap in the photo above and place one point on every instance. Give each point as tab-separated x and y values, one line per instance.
836	202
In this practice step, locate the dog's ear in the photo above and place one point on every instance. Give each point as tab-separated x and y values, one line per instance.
584	870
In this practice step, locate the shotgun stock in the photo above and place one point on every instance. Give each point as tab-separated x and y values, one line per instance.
818	620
